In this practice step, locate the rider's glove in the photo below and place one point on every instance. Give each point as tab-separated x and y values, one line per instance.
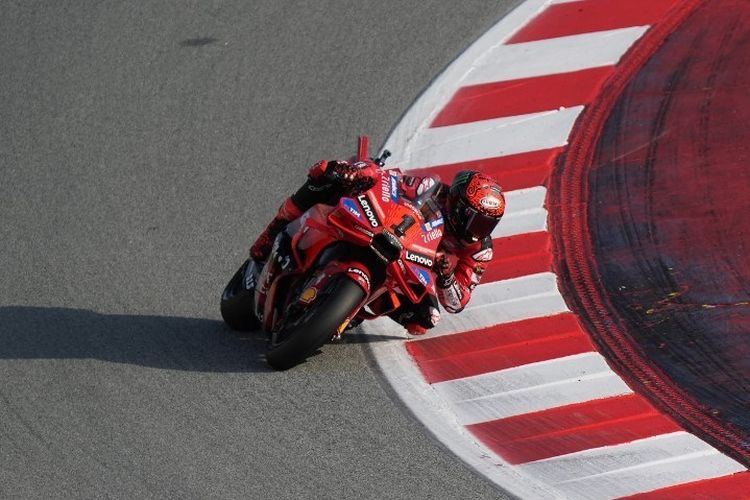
353	178
444	270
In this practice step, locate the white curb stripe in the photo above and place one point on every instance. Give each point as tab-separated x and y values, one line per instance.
532	387
491	138
525	214
521	377
626	469
612	460
553	56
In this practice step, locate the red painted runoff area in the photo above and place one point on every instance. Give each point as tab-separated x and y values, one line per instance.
523	96
586	16
517	171
732	487
499	347
572	428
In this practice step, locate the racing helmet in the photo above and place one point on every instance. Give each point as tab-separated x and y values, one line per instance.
474	206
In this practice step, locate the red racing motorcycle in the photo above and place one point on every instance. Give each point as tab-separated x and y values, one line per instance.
338	266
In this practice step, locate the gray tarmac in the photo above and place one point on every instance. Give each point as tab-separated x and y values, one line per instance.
142	146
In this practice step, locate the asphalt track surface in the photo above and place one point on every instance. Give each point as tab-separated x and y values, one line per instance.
141	148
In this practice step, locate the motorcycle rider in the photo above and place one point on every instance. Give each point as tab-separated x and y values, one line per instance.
472	206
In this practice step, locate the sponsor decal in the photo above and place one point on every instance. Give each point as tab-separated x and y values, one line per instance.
385	188
360	164
431	235
394	188
317	189
308	295
284	261
431	229
420	259
429	226
364	231
483	255
411	207
361	275
352	207
365	204
490	202
423	275
426	184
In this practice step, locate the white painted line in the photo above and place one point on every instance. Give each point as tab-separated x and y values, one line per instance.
558	393
629	468
610	459
525	212
532	387
420	398
491	138
522	377
553	56
529	221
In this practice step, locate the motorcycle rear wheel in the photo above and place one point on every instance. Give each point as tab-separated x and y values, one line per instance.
237	303
304	335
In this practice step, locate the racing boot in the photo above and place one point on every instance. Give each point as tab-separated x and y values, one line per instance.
415	329
261	249
426	316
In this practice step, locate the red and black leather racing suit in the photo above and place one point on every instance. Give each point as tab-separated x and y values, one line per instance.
459	265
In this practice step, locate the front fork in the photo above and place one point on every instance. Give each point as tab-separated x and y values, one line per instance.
353	270
280	272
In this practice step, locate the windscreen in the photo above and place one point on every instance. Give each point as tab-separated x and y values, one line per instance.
426	203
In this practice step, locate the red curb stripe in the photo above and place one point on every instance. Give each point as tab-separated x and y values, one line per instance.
498	347
587	16
572	428
519	255
519	97
732	487
517	171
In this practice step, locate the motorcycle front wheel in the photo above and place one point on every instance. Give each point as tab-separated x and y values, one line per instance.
300	337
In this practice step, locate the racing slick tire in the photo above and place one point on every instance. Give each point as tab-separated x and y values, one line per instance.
237	302
302	336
